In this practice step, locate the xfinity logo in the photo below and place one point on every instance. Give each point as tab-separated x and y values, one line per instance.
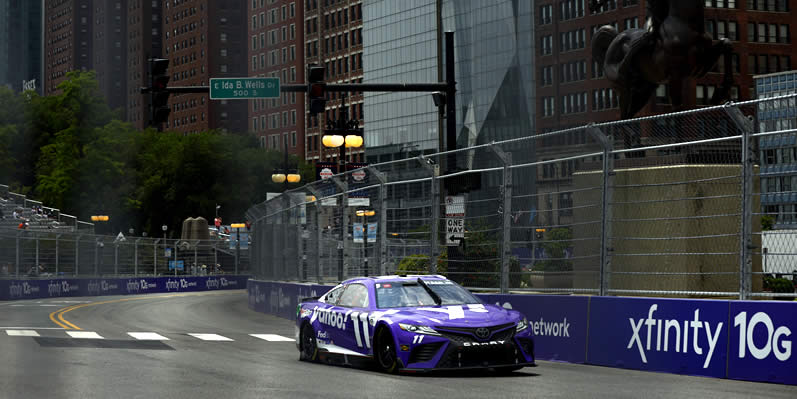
483	343
132	285
18	290
551	329
172	285
668	334
212	283
93	287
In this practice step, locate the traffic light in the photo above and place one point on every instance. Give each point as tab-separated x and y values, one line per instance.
160	91
316	89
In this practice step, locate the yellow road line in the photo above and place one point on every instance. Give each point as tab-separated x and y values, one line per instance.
57	317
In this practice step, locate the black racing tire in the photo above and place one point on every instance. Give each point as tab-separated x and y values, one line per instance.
308	344
385	351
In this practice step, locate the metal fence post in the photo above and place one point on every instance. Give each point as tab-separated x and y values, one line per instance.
300	255
155	257
135	257
196	259
36	263
434	242
747	127
343	185
606	187
382	226
18	254
57	236
318	232
506	212
96	256
77	255
115	259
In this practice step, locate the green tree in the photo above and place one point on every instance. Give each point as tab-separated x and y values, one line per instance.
556	243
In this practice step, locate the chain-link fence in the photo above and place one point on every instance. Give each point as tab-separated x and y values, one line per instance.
42	253
676	204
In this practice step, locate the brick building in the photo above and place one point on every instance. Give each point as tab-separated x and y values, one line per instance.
110	51
203	40
333	39
68	37
144	41
572	91
276	40
571	88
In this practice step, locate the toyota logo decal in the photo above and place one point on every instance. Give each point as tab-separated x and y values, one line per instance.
482	332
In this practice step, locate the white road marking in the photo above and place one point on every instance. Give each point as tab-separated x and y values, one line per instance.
84	335
147	336
35	305
22	333
28	328
210	337
273	337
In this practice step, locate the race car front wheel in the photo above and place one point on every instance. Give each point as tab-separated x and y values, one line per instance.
385	351
309	346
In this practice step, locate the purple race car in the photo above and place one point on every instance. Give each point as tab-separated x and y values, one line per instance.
411	323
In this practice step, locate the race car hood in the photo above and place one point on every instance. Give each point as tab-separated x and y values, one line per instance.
456	316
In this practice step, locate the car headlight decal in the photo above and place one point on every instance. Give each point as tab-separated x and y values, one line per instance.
522	325
418	329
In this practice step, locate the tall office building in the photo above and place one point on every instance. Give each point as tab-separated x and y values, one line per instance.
68	38
334	40
574	92
778	154
110	52
276	43
494	64
144	40
21	44
494	47
203	40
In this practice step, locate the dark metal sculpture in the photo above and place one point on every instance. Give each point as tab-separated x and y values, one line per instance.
672	47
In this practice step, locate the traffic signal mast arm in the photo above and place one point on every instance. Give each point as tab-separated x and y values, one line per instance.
302	88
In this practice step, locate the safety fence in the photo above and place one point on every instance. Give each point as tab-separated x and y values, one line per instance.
48	254
668	205
740	340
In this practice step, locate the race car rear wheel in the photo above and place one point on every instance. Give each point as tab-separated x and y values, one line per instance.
309	350
385	351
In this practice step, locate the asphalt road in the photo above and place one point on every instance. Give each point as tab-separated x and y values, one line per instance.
116	364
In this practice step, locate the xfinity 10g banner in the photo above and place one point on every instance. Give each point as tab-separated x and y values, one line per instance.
52	288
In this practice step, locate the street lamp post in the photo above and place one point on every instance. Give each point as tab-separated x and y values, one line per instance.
285	176
164	228
343	133
364	213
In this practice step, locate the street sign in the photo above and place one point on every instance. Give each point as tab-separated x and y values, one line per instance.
372	228
455	206
455	231
179	265
357	232
244	88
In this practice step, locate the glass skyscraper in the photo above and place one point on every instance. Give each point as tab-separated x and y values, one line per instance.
494	50
21	43
779	152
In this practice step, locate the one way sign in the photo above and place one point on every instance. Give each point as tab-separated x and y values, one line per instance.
455	231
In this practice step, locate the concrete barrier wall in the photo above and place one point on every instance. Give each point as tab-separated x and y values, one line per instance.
743	340
61	287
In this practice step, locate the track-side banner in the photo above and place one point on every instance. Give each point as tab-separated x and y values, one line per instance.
670	335
743	340
54	288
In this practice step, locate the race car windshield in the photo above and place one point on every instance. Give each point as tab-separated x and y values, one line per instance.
409	294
